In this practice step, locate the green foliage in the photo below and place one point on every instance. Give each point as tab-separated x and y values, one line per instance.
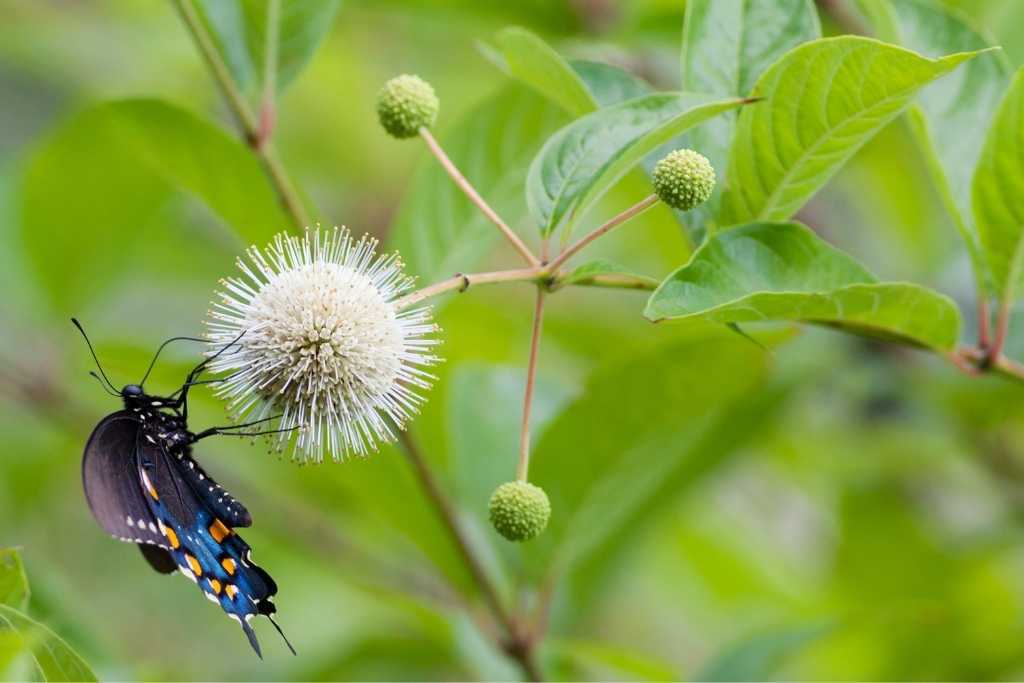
51	658
586	272
534	62
783	271
998	202
150	150
240	30
582	161
952	114
825	99
759	657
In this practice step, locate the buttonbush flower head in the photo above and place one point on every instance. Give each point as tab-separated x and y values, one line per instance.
320	343
519	510
405	104
684	179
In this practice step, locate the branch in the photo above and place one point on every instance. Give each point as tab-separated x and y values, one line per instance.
614	222
523	469
474	196
243	114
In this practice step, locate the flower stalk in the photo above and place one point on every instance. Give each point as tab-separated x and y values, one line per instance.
523	468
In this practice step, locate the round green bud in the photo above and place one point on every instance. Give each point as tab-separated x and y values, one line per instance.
405	104
519	510
684	179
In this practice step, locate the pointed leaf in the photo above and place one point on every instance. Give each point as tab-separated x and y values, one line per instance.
537	64
952	114
783	271
609	84
586	273
53	658
581	161
998	192
14	590
727	45
825	99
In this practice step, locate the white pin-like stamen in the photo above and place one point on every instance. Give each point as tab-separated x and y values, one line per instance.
323	345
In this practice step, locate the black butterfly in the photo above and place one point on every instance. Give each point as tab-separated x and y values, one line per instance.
144	487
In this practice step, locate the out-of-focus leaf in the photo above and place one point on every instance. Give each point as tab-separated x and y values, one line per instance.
783	271
609	84
438	231
91	187
600	658
14	589
656	410
581	161
587	271
537	64
54	659
998	196
824	100
759	657
727	44
952	115
239	28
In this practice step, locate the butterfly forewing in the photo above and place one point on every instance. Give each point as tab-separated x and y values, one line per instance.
111	483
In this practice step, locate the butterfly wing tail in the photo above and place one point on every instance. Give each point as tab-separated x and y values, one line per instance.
251	635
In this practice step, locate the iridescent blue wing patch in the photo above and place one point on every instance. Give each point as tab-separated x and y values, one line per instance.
203	546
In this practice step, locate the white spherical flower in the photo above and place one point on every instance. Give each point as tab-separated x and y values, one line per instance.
318	341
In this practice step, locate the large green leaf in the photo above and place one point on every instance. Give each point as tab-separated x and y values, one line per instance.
825	99
239	28
609	84
998	192
783	271
727	44
91	187
952	114
667	405
537	64
438	231
14	590
53	658
581	161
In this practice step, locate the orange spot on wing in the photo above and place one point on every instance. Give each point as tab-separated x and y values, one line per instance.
215	585
219	531
229	565
231	590
194	564
172	537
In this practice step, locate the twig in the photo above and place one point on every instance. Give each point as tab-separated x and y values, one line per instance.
474	197
267	106
517	646
463	281
984	323
614	222
995	351
243	114
523	469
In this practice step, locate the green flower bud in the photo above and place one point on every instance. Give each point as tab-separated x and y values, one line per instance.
405	104
684	179
519	510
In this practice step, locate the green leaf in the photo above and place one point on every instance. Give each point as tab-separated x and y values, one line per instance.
759	657
609	84
727	45
952	114
53	658
437	230
825	99
783	271
91	187
585	273
239	28
14	591
600	658
537	64
998	192
659	412
581	161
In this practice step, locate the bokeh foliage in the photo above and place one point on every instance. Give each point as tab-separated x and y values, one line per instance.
828	508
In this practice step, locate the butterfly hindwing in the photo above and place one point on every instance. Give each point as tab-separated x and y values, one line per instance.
221	503
111	483
203	546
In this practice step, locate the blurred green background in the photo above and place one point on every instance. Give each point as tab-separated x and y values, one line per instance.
831	509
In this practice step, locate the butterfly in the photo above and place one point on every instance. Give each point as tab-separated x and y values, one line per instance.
143	486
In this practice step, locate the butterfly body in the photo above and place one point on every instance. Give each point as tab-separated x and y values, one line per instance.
143	486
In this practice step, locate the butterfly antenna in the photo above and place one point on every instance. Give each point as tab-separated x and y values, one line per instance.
94	357
283	636
152	363
102	384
